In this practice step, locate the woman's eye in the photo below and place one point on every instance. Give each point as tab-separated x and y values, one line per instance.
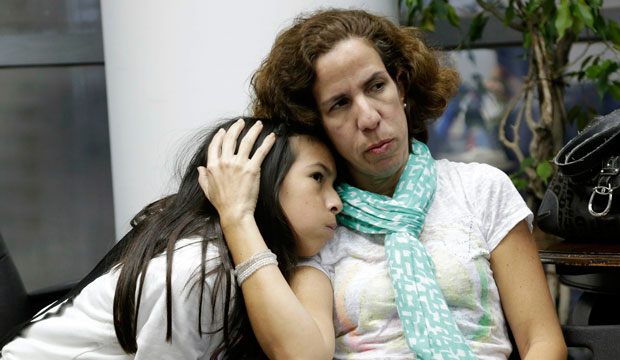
318	177
378	86
340	103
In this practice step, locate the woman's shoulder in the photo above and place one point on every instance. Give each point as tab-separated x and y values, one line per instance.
452	169
481	190
475	187
476	179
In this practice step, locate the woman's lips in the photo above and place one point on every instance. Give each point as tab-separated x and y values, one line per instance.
379	148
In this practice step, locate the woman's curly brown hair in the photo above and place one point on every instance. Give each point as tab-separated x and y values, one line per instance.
283	82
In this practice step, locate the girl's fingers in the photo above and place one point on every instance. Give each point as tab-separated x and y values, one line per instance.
215	147
230	139
263	150
202	179
247	143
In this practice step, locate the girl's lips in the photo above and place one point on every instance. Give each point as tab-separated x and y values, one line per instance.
380	147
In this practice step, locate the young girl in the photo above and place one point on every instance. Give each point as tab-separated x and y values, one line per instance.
168	290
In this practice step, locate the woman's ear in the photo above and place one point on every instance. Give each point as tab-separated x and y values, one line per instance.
400	85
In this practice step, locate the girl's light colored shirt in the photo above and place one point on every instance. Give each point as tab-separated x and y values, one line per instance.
85	329
475	206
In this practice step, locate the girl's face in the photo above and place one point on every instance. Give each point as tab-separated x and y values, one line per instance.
362	112
308	197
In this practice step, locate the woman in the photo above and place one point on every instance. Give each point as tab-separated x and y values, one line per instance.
421	237
166	291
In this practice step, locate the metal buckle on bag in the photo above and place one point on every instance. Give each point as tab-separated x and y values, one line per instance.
609	169
601	190
606	185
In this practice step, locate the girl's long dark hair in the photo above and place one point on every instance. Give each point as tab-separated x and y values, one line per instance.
159	225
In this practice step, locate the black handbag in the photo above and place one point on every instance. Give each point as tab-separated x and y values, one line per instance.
579	202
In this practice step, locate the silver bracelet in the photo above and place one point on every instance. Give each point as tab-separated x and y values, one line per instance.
255	262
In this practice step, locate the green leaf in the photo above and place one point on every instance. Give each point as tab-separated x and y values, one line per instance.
477	26
605	65
564	20
595	3
601	73
527	41
520	183
527	162
543	170
578	25
584	12
581	75
573	113
600	27
410	18
591	110
613	32
585	62
582	121
548	31
428	20
614	90
532	6
592	71
509	14
548	10
578	74
608	67
440	9
414	7
452	17
601	88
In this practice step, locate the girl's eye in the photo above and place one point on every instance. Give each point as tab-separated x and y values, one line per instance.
318	177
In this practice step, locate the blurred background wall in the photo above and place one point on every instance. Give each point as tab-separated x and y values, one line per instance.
173	67
87	140
56	212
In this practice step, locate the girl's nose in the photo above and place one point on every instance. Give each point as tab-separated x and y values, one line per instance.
334	203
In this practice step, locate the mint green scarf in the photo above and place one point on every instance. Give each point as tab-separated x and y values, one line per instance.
429	328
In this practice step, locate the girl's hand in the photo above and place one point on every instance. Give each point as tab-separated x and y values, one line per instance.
231	181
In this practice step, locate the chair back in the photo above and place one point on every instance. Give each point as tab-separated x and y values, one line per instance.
13	296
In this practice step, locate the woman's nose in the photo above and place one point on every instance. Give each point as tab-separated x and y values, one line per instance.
368	117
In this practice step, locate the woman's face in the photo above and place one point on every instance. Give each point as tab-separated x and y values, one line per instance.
362	112
308	197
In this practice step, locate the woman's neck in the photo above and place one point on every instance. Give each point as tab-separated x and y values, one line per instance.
378	185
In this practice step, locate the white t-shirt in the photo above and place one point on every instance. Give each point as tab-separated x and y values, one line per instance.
85	329
475	206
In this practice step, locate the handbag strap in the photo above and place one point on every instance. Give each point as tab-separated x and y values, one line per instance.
597	141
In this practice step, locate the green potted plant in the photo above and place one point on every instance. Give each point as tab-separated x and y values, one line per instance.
549	30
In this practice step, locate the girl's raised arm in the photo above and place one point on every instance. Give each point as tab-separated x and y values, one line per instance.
289	321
